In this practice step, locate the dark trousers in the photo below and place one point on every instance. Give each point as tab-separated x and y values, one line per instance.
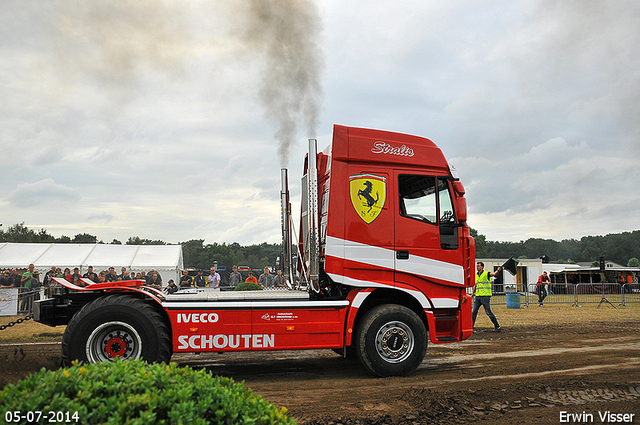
484	301
26	297
542	293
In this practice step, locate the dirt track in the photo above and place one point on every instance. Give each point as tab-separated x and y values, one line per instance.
524	375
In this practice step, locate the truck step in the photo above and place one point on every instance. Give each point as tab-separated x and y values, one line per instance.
447	339
446	317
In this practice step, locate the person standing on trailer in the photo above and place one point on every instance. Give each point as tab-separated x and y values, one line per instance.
482	293
171	288
266	280
199	281
214	279
279	280
185	280
235	278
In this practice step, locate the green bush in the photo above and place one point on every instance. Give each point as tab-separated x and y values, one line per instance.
135	392
248	286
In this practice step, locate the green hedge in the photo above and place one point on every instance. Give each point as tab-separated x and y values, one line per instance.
135	392
248	286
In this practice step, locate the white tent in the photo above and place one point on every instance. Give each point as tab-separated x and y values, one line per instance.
165	259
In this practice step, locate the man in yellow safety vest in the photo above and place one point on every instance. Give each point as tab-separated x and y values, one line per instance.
482	293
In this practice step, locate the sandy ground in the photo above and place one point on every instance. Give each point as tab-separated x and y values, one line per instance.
524	375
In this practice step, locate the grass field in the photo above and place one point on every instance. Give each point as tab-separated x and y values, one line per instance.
553	314
508	317
28	330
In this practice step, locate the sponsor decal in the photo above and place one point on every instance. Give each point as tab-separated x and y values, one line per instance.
197	317
8	302
368	194
385	148
221	341
279	317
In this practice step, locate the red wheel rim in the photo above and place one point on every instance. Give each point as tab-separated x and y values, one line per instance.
115	347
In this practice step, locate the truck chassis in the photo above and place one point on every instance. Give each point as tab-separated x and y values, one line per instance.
133	321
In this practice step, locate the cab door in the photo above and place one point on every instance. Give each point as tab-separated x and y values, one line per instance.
369	238
427	242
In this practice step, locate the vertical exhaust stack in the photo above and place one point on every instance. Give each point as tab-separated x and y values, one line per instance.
286	227
312	248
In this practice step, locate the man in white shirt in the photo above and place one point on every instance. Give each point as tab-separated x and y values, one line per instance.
213	281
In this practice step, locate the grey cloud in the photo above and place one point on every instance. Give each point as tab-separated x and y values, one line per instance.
549	173
100	218
42	193
112	42
154	112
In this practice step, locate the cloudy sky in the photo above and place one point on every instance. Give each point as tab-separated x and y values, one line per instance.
171	119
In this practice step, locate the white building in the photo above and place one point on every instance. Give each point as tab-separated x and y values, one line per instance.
165	259
526	276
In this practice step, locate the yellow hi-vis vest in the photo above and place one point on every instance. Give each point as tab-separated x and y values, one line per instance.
483	284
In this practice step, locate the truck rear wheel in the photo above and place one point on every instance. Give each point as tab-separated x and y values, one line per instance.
116	326
391	340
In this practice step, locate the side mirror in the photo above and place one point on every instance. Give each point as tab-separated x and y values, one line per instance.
462	209
461	201
457	185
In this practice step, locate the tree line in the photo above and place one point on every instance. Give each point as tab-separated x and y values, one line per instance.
622	248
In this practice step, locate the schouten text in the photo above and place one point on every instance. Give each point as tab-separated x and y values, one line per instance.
221	341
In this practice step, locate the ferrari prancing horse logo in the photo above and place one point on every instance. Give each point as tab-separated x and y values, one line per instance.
368	193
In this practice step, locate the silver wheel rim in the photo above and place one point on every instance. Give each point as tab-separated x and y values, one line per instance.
111	340
394	342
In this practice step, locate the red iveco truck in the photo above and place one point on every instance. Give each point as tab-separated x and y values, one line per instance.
384	246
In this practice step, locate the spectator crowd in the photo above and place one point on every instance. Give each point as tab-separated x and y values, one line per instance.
29	282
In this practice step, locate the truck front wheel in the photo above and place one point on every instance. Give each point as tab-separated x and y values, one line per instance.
391	340
116	326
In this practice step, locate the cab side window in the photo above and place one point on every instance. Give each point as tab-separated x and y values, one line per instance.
428	199
446	206
448	221
418	198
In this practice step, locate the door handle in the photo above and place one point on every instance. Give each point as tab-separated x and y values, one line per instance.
402	254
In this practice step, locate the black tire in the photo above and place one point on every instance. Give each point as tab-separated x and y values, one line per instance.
116	326
391	340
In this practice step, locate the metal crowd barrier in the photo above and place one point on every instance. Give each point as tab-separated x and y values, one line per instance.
559	293
575	294
26	297
631	293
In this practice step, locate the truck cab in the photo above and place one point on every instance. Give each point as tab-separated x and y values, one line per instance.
393	214
393	227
